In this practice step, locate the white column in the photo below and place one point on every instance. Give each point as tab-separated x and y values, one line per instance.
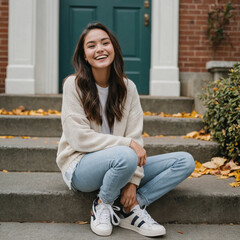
164	72
47	39
21	47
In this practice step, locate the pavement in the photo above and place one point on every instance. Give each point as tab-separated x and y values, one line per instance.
71	231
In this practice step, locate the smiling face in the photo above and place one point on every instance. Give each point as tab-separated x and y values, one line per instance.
98	49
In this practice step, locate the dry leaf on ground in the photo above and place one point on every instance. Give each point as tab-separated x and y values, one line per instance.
216	167
193	114
22	111
201	135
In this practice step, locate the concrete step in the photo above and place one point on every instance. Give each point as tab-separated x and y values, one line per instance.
39	154
73	231
50	126
47	101
45	197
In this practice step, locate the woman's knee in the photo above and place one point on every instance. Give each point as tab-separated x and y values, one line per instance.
188	161
126	157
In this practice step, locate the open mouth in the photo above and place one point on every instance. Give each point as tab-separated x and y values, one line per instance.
101	57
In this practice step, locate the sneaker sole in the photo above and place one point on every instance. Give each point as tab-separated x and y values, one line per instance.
141	231
99	232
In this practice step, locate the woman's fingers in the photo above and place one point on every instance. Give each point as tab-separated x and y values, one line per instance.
142	160
140	151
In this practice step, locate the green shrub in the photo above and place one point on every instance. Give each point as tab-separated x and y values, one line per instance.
222	117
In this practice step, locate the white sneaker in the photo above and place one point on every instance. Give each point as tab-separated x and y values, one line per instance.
140	221
102	215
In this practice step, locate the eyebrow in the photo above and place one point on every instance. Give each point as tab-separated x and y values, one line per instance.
101	40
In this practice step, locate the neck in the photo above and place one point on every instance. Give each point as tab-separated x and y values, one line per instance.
101	76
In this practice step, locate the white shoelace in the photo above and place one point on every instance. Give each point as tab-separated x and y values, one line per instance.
146	217
105	211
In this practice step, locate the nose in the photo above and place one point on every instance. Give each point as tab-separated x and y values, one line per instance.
99	48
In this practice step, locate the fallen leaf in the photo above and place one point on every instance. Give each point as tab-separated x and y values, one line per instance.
234	184
232	165
5	171
22	111
145	134
4	137
193	114
225	173
160	136
223	177
195	174
218	161
192	134
81	222
181	232
210	165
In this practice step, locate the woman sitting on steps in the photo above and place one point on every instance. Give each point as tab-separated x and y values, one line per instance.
101	147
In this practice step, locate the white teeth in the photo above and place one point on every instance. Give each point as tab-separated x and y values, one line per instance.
101	57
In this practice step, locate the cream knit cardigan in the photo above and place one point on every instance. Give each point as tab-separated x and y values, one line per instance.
81	136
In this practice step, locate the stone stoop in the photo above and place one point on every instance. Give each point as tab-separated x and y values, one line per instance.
33	190
73	231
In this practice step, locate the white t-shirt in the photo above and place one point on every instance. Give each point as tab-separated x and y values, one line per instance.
103	94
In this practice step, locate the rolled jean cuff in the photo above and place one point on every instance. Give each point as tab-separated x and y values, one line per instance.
142	201
105	200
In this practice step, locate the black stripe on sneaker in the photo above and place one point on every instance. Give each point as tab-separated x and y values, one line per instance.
92	214
134	220
126	214
141	223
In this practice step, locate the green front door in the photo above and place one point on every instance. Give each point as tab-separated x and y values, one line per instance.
128	21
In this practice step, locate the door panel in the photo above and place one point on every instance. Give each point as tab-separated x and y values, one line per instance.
125	18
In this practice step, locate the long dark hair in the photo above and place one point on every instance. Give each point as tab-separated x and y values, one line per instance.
85	82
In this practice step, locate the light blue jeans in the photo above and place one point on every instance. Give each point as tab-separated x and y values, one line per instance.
111	169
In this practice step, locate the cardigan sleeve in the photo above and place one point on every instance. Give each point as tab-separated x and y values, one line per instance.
134	130
76	126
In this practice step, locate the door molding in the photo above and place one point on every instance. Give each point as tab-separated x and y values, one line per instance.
164	72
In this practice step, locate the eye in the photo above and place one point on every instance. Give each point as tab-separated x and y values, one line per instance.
90	46
106	43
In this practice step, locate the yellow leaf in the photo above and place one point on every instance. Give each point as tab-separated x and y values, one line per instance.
192	134
81	222
5	171
234	184
145	134
4	137
238	177
223	177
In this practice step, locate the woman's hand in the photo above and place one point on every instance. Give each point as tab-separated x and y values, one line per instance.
141	153
128	196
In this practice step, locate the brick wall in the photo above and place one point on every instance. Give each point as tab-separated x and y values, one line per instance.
194	47
3	42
